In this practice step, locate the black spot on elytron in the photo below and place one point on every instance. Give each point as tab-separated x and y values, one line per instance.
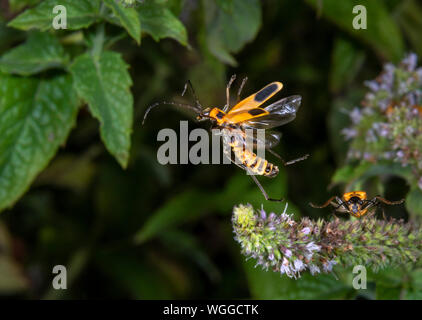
220	115
266	92
255	112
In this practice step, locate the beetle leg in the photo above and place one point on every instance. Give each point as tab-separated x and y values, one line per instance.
323	205
229	84
342	206
263	191
241	88
286	163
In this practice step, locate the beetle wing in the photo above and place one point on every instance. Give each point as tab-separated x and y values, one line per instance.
360	194
258	98
279	113
270	140
245	115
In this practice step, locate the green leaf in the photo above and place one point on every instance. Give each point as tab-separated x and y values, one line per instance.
228	30
388	276
388	283
415	292
190	205
409	17
387	292
275	286
413	295
70	171
180	209
8	36
80	14
347	173
414	201
128	17
17	5
355	176
226	5
242	189
103	82
382	32
133	274
416	277
186	245
40	52
159	22
36	117
346	62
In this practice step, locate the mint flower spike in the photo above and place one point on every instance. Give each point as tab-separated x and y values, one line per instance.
388	124
280	244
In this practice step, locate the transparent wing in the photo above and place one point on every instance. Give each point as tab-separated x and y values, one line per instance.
270	139
280	113
242	136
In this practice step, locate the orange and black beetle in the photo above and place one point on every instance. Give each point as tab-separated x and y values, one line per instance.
248	114
355	203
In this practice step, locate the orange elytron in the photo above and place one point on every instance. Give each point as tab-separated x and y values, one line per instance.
248	114
355	203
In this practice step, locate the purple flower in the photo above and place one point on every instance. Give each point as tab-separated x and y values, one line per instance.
299	266
372	84
400	154
355	115
314	269
263	213
349	133
328	266
370	136
306	230
410	62
409	130
336	241
419	74
367	156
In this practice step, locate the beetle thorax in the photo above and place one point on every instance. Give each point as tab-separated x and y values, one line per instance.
217	114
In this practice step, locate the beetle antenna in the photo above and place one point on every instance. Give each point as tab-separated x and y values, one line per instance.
196	109
189	84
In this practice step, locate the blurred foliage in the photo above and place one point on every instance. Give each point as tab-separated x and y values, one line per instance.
71	103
